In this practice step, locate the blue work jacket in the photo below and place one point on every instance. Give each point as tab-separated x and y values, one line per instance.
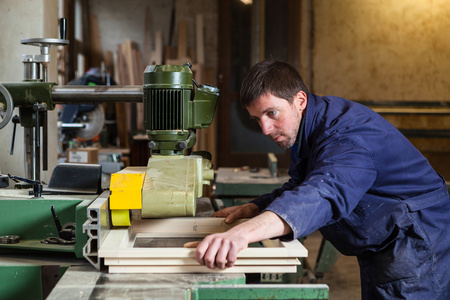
372	194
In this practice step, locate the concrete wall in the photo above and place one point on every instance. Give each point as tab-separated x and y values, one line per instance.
21	20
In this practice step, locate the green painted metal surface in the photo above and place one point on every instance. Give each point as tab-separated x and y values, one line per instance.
327	257
168	77
25	94
224	281
28	280
173	108
244	189
32	220
20	282
251	291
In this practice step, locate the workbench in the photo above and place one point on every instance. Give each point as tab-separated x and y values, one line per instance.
28	274
235	186
83	282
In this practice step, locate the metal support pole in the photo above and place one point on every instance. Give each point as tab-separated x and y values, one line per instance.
32	153
87	94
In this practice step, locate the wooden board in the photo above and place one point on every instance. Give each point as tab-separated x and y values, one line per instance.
122	256
200	39
201	269
190	261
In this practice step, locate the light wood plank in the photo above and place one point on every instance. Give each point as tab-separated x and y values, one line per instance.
190	261
95	40
202	269
200	40
118	252
182	40
156	55
119	243
180	226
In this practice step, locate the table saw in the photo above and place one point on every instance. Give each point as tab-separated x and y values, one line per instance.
59	231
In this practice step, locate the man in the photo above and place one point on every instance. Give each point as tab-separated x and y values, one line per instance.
354	177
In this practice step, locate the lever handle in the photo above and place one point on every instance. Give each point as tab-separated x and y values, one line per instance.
15	120
37	185
56	219
38	107
62	28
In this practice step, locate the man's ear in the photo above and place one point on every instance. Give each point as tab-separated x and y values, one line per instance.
302	99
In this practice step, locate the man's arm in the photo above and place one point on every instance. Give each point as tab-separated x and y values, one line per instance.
220	250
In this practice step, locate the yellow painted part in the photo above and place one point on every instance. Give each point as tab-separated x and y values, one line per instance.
126	189
120	217
125	199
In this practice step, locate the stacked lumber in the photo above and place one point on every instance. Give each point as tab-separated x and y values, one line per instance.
127	66
128	69
206	137
131	67
123	253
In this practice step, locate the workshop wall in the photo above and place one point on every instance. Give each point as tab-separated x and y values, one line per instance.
138	21
21	20
382	49
120	20
387	50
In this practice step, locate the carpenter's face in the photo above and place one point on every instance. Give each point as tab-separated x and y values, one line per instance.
279	119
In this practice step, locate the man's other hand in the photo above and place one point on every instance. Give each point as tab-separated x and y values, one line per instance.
219	250
233	213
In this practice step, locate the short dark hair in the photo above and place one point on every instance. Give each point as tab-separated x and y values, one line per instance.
271	76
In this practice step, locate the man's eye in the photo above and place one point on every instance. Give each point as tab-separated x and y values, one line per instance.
271	113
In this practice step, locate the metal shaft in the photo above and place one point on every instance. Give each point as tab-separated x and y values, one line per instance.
96	94
32	155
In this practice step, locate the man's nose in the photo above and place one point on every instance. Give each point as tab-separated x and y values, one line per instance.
266	127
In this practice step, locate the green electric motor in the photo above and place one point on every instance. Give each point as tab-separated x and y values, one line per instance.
173	109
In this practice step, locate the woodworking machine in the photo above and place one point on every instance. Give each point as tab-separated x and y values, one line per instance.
72	213
172	181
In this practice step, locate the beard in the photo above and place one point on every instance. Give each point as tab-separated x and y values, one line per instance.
286	139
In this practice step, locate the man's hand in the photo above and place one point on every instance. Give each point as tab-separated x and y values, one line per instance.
221	249
233	213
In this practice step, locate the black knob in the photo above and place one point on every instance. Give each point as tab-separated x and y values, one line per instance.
62	28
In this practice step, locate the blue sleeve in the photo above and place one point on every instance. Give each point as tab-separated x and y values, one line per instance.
264	200
343	172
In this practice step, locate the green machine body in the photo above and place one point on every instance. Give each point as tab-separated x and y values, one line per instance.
174	109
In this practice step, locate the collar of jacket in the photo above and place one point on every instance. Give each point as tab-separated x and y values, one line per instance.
302	148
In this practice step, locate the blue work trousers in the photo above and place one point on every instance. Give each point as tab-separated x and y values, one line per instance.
416	265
